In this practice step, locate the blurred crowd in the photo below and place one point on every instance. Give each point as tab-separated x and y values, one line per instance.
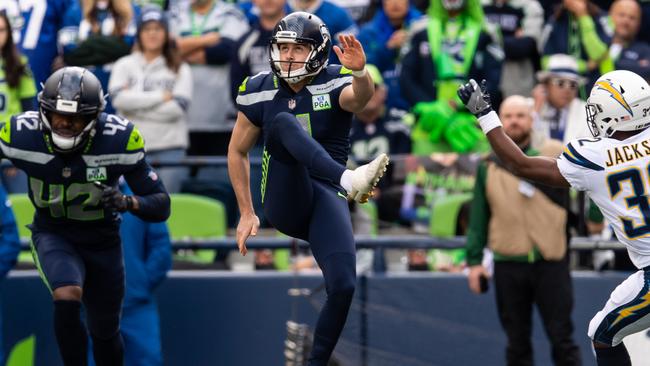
173	67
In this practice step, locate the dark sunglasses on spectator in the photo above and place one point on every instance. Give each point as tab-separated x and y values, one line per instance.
565	83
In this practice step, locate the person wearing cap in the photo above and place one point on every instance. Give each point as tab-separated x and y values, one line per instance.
559	112
450	45
153	88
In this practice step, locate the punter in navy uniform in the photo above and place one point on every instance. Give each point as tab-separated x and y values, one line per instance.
74	155
304	109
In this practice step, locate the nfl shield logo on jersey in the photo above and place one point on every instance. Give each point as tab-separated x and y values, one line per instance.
292	103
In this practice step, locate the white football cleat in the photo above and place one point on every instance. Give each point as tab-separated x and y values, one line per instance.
365	178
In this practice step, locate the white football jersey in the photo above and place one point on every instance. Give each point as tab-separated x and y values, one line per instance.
617	176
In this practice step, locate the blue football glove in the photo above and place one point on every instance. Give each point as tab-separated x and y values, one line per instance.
475	98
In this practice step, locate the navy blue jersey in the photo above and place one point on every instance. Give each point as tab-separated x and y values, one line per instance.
316	106
61	185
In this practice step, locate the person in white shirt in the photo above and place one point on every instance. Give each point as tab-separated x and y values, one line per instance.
153	88
559	111
613	168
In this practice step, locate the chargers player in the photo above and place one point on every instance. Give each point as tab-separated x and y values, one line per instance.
304	110
614	168
74	155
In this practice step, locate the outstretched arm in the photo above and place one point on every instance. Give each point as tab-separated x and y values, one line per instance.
354	97
540	169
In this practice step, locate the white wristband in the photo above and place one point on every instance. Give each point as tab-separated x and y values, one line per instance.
489	122
360	73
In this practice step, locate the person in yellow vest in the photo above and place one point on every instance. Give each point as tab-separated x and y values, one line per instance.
525	226
446	47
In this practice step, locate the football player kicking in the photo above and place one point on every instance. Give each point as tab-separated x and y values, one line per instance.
74	155
614	167
304	110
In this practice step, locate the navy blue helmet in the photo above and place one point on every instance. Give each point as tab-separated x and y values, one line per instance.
72	91
300	28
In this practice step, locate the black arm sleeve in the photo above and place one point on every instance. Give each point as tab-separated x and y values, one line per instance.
153	207
149	191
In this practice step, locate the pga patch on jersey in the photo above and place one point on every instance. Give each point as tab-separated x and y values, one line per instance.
321	102
96	174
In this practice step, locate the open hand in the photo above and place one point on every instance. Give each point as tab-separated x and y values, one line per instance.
352	55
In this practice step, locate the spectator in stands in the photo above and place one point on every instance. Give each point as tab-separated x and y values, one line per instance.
251	54
17	94
153	88
625	51
559	113
383	37
95	34
521	23
35	28
338	19
576	29
359	10
377	130
9	242
206	32
525	225
147	258
436	62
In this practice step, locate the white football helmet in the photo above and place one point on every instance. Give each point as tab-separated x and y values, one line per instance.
619	101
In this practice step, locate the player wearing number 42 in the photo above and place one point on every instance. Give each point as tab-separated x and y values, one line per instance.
613	168
74	155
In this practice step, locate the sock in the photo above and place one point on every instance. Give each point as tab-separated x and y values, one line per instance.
70	332
613	356
346	180
109	352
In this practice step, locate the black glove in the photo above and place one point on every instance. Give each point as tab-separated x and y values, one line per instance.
113	199
477	100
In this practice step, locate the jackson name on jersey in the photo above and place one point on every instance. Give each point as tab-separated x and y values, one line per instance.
617	175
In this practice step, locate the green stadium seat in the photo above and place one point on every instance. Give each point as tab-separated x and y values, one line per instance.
196	217
444	214
444	219
370	208
24	213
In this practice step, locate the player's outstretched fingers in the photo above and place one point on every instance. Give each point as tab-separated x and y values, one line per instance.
338	51
343	41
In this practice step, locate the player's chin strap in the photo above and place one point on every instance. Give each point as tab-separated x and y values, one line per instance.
69	144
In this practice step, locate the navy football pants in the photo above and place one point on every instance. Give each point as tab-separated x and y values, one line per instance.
316	211
99	271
